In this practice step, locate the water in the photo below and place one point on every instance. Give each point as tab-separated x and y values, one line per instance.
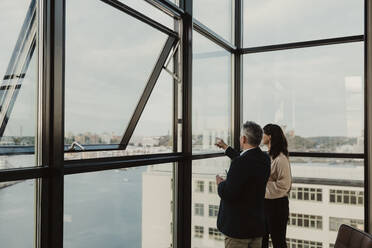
16	215
101	210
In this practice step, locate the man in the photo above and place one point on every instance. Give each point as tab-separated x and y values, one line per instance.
241	213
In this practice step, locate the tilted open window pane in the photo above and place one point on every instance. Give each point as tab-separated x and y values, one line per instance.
315	94
211	94
273	22
17	214
216	15
109	58
18	90
120	208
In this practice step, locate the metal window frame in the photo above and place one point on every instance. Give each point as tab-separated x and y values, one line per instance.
168	7
51	143
139	16
50	189
183	169
211	35
367	115
303	44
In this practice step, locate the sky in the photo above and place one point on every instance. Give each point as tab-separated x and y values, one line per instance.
110	55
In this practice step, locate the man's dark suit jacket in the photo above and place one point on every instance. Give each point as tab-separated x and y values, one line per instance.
241	213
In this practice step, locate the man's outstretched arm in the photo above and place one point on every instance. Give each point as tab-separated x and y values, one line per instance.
229	151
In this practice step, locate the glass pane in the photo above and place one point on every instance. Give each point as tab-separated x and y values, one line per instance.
106	70
273	22
18	73
216	15
17	214
119	208
205	171
315	94
325	174
211	94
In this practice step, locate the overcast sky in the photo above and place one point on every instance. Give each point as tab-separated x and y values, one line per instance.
110	55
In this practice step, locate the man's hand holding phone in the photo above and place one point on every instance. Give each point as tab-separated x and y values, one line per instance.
219	179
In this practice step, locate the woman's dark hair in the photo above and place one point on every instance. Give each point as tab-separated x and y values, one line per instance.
278	141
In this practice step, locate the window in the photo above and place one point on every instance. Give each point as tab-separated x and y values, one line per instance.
203	178
335	223
18	83
307	221
215	234
98	59
211	84
212	187
213	210
307	194
101	72
349	197
199	231
199	209
199	186
276	90
129	207
298	243
220	20
17	213
274	22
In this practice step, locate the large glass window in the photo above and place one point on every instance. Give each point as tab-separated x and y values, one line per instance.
211	94
273	22
127	207
314	94
17	214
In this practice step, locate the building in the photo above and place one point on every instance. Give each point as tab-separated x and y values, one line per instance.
316	210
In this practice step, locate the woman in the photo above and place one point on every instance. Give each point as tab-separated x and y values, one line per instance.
278	187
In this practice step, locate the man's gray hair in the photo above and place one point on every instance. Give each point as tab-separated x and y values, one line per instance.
253	132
